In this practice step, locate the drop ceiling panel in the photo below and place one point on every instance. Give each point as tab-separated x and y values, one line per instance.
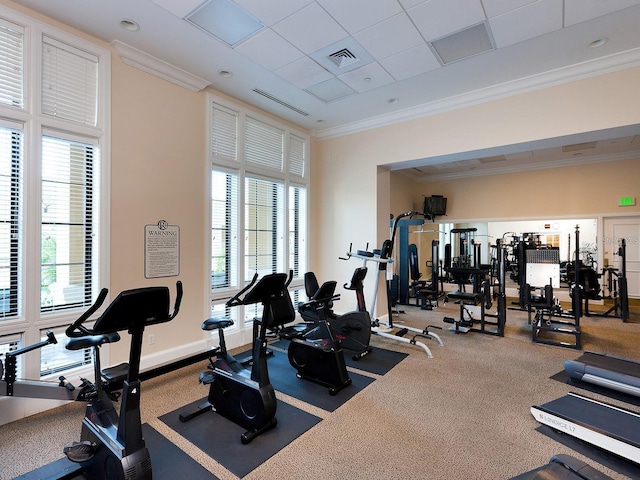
410	63
356	15
270	13
407	4
310	29
303	73
438	18
367	78
493	8
532	20
180	9
576	11
390	36
331	90
270	50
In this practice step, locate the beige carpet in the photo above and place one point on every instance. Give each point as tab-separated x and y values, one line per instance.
463	414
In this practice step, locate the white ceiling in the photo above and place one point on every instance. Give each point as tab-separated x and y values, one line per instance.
396	74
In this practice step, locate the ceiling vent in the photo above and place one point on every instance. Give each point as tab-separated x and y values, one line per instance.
463	44
281	102
497	158
579	146
343	57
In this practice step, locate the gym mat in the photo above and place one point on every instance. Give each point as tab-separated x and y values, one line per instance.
168	462
220	438
562	377
283	378
608	459
380	361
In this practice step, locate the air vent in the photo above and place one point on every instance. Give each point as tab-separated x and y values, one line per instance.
281	102
579	146
343	57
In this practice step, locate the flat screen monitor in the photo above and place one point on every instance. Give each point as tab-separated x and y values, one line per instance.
435	205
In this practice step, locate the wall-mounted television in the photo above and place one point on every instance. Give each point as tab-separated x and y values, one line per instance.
435	205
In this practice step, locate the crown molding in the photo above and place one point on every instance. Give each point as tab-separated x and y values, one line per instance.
159	68
592	68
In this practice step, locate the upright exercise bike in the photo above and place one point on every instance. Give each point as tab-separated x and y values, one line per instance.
242	394
112	446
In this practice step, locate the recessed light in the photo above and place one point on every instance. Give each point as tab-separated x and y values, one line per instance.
393	100
320	121
129	25
226	73
599	42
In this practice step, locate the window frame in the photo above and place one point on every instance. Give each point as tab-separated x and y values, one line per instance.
283	175
34	124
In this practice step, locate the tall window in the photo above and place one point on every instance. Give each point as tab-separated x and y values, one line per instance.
52	212
258	195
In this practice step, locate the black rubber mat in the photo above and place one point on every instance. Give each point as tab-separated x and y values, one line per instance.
220	438
168	462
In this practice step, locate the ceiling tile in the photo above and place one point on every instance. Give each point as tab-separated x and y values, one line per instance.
270	13
437	18
180	9
407	4
493	8
303	73
367	78
270	50
310	29
527	22
390	36
356	15
410	63
331	90
576	11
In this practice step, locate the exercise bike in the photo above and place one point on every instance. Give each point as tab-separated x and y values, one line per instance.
111	445
351	329
242	394
313	351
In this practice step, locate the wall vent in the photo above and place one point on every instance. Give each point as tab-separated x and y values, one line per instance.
281	102
343	57
579	146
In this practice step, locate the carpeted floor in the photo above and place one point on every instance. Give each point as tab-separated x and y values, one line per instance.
462	414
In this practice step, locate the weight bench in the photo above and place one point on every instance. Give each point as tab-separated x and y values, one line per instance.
463	325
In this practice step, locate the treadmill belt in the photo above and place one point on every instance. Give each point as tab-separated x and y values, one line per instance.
609	362
614	422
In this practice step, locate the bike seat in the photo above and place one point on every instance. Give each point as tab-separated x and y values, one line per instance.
92	341
216	323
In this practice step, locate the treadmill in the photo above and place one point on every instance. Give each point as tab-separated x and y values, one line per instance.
608	371
611	428
563	467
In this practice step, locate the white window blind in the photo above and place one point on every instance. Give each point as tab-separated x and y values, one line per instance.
263	145
224	230
10	210
55	358
11	65
69	222
224	133
297	230
264	212
297	156
69	83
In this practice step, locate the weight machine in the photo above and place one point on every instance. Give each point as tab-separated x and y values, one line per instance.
466	269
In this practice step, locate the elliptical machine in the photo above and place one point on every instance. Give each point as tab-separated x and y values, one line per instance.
351	329
245	395
111	445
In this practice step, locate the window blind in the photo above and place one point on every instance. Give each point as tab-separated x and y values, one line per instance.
224	133
68	216
10	207
69	83
263	145
297	230
296	156
224	230
264	212
11	65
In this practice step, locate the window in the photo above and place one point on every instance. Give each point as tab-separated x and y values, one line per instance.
54	118
259	195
